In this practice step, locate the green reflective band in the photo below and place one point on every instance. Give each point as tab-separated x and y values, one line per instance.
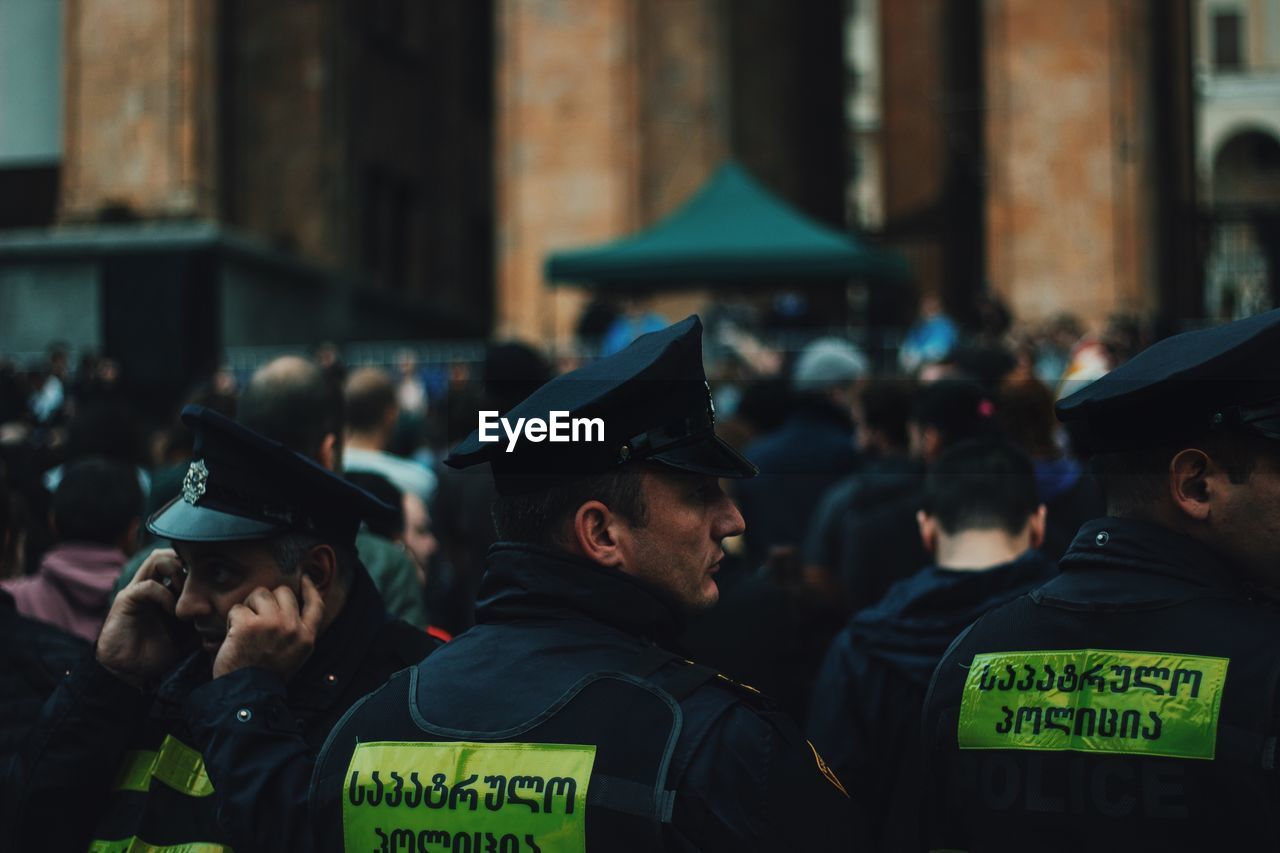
137	845
500	797
175	764
1094	700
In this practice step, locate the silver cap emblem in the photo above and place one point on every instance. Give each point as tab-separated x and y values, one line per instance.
195	483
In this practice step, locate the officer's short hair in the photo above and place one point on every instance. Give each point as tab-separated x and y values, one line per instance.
289	549
981	484
292	401
96	501
370	394
539	518
1133	481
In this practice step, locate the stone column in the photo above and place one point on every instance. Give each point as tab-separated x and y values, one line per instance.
610	113
565	148
141	102
1070	206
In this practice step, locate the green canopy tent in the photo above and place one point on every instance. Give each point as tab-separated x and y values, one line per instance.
733	229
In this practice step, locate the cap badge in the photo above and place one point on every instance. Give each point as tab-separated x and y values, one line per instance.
195	483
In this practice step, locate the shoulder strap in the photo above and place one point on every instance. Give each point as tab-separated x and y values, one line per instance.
685	677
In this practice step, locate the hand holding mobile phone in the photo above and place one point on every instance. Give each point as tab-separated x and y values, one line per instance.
142	638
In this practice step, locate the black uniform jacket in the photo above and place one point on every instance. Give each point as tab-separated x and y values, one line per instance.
1170	748
34	657
865	714
746	780
108	762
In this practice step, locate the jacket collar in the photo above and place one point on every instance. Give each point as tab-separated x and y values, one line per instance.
529	582
342	648
1147	547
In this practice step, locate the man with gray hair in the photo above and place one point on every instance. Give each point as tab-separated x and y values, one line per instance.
291	400
372	415
221	667
812	449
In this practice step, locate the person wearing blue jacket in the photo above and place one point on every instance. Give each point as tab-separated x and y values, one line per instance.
982	522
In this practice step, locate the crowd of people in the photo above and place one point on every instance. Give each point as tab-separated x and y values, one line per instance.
318	597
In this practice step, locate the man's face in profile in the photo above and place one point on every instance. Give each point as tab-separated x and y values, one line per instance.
220	575
1247	526
678	549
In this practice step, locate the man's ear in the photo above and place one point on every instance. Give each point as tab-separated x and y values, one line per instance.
330	455
1189	482
1036	526
321	565
128	542
930	443
928	531
595	534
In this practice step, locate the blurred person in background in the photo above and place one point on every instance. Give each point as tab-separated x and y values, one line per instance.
410	438
13	396
931	337
1024	410
294	402
463	508
881	415
634	318
13	508
878	540
1094	356
49	399
372	416
106	427
34	657
802	609
410	528
812	449
97	510
411	392
982	522
1054	346
97	378
328	357
993	321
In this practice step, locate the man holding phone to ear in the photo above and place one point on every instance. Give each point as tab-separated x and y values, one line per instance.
221	667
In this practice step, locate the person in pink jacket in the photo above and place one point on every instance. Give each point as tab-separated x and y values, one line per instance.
97	510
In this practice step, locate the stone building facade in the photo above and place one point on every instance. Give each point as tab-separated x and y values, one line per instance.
433	154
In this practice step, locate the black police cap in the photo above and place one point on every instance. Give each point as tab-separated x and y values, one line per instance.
653	400
1183	387
245	486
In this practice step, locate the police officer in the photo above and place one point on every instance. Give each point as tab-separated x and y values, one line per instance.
565	720
221	667
1131	702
